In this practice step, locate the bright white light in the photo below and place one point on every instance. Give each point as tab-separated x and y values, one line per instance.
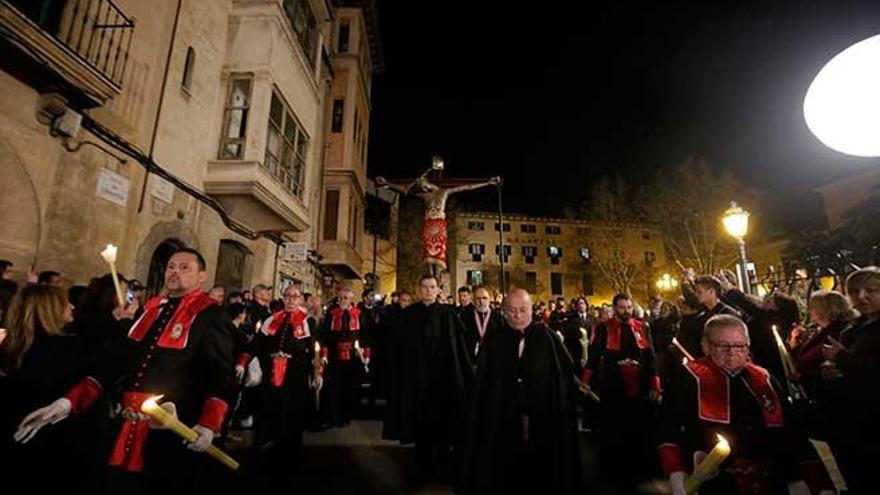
842	106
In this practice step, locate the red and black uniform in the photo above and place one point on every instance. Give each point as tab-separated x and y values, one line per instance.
181	348
284	346
622	369
749	409
342	329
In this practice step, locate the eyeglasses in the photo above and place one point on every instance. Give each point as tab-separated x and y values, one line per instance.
724	347
292	296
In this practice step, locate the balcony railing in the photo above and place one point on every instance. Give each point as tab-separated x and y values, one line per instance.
97	31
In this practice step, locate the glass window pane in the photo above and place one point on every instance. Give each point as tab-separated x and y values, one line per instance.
240	94
289	128
276	109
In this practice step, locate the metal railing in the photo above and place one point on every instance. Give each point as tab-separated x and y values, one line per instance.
97	31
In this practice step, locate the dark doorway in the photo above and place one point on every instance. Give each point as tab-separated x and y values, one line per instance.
156	277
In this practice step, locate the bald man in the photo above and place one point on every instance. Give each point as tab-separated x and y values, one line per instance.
522	432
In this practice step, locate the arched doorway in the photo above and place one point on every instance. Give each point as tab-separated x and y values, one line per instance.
156	275
233	266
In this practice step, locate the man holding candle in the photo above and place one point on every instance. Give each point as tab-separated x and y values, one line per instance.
723	393
180	348
284	346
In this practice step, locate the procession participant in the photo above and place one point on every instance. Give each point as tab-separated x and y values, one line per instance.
479	320
181	348
723	393
345	348
622	367
522	430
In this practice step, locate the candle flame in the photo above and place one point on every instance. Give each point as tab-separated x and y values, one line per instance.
684	361
152	401
109	253
722	441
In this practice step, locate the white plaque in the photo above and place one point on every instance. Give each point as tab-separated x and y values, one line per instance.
296	251
112	187
162	189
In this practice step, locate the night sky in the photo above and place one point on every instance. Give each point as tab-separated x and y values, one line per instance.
551	97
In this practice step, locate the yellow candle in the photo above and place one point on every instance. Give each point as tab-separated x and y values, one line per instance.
681	349
170	422
707	468
109	255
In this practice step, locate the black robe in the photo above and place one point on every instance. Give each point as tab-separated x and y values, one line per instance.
69	451
539	386
345	370
472	331
434	376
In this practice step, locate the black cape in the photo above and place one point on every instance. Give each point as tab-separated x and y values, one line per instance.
432	374
540	385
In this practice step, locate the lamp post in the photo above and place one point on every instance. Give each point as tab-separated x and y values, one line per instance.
736	222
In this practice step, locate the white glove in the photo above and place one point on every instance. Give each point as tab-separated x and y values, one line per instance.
239	372
798	487
676	482
206	436
33	422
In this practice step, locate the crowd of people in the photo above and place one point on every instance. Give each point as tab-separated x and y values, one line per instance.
494	397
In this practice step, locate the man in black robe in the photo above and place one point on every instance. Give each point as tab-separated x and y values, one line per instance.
284	346
181	348
430	406
522	430
724	393
346	351
622	366
480	320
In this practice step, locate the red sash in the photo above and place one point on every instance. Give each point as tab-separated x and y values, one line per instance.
176	333
296	319
713	390
128	450
354	322
614	326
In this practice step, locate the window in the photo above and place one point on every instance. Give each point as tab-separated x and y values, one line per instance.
474	277
554	252
507	251
532	282
338	114
588	284
353	225
331	215
506	227
528	228
556	284
235	118
188	69
286	147
650	257
476	251
530	253
302	20
553	229
476	226
344	32
586	254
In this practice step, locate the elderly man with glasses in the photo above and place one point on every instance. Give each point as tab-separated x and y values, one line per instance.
724	393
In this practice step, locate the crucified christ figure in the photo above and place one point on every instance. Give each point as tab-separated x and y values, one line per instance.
434	237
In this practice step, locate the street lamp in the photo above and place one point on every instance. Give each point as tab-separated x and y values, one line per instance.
842	104
666	283
736	222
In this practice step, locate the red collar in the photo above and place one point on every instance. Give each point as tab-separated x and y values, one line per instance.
713	391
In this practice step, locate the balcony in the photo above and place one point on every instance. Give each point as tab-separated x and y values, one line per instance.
342	257
251	194
78	48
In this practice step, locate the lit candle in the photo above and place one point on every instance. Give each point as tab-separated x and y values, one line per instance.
170	422
677	344
787	363
109	255
709	465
